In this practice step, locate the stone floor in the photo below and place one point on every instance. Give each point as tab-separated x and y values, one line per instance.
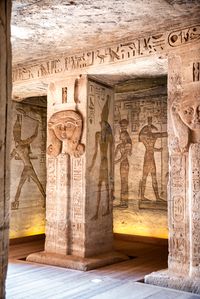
35	281
28	280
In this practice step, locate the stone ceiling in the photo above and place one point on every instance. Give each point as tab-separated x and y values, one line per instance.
41	29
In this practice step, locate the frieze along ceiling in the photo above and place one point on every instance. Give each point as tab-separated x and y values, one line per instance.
42	28
45	30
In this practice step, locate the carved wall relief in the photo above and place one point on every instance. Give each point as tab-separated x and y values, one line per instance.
184	36
185	114
194	155
22	151
65	131
146	124
148	136
184	131
28	168
178	245
143	116
64	95
196	71
125	150
66	166
104	143
147	45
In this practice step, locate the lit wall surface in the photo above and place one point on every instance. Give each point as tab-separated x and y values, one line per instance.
28	170
141	163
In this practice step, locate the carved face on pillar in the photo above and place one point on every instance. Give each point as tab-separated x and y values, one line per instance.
65	130
190	113
185	112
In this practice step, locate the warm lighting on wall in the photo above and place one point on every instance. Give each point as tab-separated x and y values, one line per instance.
30	232
26	226
141	230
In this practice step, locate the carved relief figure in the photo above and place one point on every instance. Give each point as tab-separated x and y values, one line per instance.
125	149
148	137
64	95
185	112
196	71
104	142
22	151
65	130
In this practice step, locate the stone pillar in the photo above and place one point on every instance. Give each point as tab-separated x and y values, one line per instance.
79	176
184	182
5	99
194	205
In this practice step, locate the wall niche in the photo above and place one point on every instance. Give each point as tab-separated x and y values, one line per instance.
141	158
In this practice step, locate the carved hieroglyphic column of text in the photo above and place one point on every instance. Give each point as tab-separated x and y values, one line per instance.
178	261
57	205
5	99
194	156
77	205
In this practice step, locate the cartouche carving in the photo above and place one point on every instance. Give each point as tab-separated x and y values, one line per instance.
65	130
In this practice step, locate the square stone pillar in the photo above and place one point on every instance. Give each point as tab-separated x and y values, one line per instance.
184	182
5	100
79	175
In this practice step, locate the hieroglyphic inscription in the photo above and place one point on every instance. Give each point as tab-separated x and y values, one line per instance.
57	204
77	190
77	204
96	94
156	43
147	123
64	95
184	36
178	208
178	238
195	206
91	101
196	71
50	242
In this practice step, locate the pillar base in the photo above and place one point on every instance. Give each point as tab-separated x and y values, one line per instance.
168	280
75	262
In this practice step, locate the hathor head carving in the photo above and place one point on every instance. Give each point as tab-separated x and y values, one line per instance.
185	114
65	130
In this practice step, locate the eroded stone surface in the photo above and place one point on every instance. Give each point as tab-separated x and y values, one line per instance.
141	158
183	200
71	26
5	101
28	168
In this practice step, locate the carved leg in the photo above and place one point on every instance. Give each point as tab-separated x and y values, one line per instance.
143	186
98	201
108	201
155	186
40	187
15	203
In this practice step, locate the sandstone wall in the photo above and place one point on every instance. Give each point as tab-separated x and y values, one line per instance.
28	169
183	128
141	162
5	96
99	150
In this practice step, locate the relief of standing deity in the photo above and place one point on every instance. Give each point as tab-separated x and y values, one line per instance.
125	150
22	151
148	136
104	143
